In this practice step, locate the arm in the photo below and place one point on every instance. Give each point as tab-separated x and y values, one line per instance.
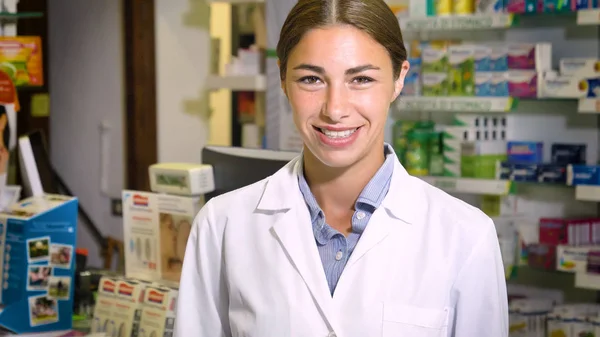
480	291
203	304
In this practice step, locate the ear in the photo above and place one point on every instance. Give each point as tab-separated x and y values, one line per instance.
399	83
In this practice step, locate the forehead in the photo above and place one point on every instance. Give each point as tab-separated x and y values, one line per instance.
344	46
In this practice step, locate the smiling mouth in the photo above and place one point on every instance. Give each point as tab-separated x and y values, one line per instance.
336	134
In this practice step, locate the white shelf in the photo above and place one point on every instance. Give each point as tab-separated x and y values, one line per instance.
589	106
588	17
237	83
470	186
456	104
470	22
236	1
587	193
587	281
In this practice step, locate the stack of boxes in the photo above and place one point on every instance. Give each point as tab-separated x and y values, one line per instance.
451	68
473	145
132	307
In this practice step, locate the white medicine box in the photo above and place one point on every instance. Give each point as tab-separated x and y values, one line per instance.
156	230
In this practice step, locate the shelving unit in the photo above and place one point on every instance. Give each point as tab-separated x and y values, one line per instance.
465	23
470	186
588	17
587	193
237	83
460	104
487	21
589	106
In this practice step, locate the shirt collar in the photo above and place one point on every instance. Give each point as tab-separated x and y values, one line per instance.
372	195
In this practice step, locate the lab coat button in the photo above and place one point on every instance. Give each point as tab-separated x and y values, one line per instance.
332	334
360	215
339	255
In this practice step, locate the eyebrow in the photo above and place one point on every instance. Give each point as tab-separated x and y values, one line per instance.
321	70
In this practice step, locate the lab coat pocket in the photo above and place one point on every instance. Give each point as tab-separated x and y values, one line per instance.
403	320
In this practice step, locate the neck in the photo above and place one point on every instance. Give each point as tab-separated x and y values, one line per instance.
337	189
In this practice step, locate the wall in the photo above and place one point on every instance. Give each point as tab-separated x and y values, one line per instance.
86	89
182	63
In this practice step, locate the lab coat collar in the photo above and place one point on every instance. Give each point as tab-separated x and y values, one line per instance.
403	200
283	200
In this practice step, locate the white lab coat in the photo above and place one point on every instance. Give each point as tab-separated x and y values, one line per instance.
427	265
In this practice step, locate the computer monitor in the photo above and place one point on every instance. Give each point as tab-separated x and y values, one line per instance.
236	167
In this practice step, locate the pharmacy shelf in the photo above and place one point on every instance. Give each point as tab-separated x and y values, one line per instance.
588	17
587	193
589	106
21	15
467	22
587	281
457	104
237	83
470	186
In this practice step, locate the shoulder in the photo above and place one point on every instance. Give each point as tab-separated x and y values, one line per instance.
454	217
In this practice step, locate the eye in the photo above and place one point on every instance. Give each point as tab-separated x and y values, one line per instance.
309	80
362	80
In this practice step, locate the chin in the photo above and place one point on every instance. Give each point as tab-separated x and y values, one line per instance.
336	158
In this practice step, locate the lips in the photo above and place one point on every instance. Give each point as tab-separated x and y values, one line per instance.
340	133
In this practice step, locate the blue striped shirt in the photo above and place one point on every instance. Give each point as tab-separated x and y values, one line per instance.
335	248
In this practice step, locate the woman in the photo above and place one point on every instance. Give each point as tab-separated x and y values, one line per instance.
342	241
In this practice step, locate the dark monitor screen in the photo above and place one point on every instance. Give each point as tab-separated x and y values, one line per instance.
236	167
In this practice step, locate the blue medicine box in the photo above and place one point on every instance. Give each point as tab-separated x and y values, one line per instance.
525	152
37	250
583	175
521	172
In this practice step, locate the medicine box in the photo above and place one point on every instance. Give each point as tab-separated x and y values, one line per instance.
530	56
158	311
105	305
461	60
566	154
583	175
524	83
525	152
156	230
37	266
527	316
127	311
572	259
523	6
580	67
564	87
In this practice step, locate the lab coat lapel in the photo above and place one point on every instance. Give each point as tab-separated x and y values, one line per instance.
294	231
399	210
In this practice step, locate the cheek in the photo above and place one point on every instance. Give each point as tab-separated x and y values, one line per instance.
304	104
372	106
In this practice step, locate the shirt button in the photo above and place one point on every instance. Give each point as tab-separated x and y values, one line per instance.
339	255
360	215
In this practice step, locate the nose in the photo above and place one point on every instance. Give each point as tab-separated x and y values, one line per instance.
336	103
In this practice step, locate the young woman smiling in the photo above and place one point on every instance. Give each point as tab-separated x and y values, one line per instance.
342	241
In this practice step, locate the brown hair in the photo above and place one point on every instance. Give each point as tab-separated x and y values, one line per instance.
373	17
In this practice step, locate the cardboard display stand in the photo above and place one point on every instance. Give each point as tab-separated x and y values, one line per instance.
37	249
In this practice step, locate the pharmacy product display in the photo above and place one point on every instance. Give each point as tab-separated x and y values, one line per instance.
486	147
37	248
133	307
156	228
470	7
497	69
21	59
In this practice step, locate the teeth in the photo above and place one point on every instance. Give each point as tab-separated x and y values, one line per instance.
338	134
